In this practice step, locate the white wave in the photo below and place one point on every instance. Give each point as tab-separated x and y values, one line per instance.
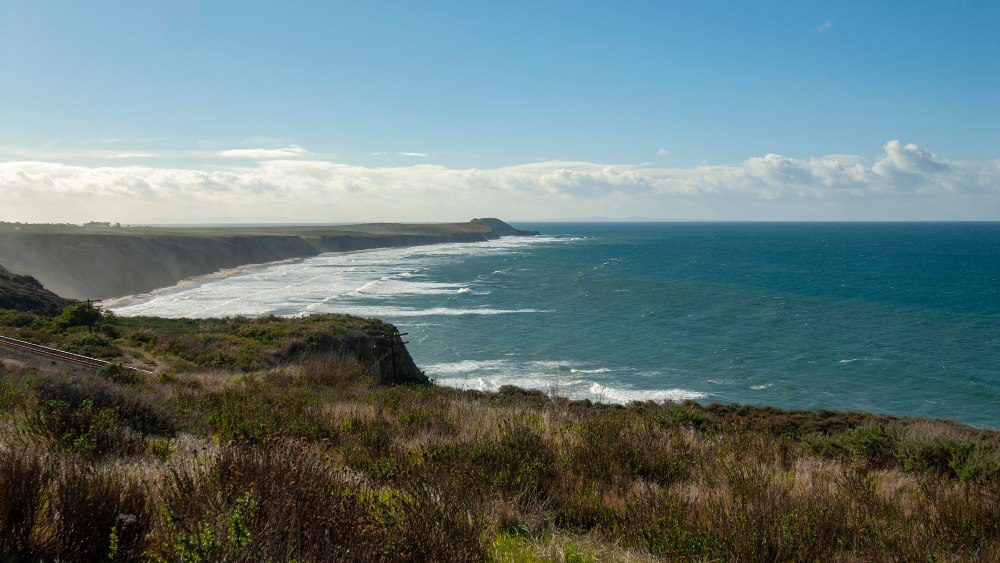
329	283
548	376
598	370
849	361
761	387
386	311
629	395
466	366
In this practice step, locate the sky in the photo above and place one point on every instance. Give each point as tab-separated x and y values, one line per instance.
188	111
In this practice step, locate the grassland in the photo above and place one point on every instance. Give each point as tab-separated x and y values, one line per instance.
476	226
246	446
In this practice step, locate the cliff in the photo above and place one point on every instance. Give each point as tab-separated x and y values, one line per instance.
104	262
25	293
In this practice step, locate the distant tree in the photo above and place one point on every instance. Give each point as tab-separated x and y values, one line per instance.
80	314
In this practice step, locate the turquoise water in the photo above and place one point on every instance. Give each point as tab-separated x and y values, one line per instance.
895	318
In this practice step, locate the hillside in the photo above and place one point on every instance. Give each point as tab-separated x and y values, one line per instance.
96	262
25	293
261	439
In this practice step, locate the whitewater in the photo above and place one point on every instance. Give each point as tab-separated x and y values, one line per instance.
895	318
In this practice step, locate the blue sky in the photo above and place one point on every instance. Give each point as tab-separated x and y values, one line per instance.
507	85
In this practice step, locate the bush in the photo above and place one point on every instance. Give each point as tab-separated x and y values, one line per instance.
93	345
102	515
141	412
614	448
280	501
875	444
962	460
18	319
517	462
142	336
116	372
24	477
79	314
86	430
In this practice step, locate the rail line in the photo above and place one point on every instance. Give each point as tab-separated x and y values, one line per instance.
54	353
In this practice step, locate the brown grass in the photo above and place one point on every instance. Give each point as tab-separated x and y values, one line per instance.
310	460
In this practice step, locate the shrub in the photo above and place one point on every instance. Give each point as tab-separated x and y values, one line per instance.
160	448
964	460
86	430
101	515
614	448
874	443
140	411
78	314
116	372
142	336
517	462
24	477
93	345
279	501
18	319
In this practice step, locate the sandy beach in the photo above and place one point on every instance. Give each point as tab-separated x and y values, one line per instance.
186	283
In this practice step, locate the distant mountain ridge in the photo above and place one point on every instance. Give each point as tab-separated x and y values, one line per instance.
103	261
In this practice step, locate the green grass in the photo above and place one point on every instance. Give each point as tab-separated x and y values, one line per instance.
304	231
307	458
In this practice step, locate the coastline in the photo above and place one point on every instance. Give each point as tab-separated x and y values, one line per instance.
104	263
187	283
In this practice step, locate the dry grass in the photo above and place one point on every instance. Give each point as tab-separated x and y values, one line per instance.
311	460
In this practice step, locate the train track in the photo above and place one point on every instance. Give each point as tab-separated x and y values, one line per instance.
56	354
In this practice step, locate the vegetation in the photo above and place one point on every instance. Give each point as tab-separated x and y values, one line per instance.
78	314
239	343
250	444
486	226
19	294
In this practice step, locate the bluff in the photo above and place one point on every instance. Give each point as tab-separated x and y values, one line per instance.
103	262
25	293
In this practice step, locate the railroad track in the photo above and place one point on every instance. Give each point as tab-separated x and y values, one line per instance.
56	354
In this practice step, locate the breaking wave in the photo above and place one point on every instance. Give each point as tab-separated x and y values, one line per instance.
549	377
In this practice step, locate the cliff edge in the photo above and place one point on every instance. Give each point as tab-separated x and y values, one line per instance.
88	262
25	293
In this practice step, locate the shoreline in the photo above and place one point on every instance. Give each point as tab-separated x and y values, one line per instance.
187	283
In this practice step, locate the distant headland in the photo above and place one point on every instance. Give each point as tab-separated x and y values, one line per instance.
101	260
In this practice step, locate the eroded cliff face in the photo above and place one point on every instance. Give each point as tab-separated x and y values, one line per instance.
91	266
387	357
84	264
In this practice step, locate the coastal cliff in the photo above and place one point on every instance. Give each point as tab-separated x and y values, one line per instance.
24	293
104	262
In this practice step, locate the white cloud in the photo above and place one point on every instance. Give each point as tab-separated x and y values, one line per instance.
283	152
827	25
663	152
904	182
133	155
415	154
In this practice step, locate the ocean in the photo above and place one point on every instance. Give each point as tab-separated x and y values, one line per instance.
900	318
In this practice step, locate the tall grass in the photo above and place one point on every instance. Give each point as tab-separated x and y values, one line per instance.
311	460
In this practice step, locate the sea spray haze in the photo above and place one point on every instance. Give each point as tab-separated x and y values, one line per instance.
901	318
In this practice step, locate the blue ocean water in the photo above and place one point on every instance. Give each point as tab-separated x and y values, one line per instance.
900	318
